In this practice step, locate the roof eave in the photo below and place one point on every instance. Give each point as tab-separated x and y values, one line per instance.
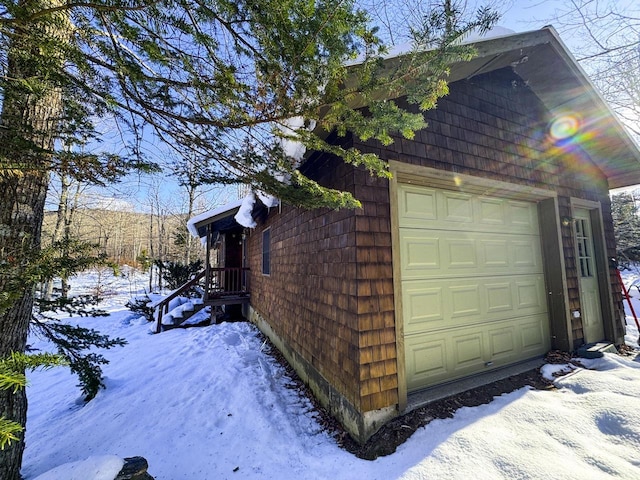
197	225
619	159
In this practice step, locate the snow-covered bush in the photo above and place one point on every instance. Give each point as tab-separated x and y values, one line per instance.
140	306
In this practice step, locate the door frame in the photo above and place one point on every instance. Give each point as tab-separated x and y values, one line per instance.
603	271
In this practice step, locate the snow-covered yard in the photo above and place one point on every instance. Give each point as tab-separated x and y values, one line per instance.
208	403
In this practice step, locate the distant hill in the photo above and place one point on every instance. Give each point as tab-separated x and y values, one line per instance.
124	235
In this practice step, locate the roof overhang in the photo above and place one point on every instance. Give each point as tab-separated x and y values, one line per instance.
221	219
542	60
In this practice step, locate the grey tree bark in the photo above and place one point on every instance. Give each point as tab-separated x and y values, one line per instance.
27	122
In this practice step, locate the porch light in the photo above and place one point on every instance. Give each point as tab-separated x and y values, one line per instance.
566	221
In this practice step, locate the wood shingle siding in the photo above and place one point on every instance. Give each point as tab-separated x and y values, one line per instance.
493	126
376	310
329	299
310	298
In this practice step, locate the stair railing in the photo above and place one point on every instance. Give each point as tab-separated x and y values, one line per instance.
163	305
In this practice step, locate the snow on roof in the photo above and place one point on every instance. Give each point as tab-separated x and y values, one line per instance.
193	221
244	217
244	207
267	200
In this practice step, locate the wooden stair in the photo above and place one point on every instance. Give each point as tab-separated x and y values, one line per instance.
165	306
218	287
179	317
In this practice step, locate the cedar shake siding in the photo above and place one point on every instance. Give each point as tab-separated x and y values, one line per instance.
328	302
310	297
493	126
329	296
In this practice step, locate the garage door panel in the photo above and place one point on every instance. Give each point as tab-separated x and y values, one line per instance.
457	254
449	303
426	361
455	353
464	301
460	253
417	205
526	254
491	211
433	209
423	307
523	215
472	280
492	253
468	351
534	332
530	294
499	297
420	254
456	208
502	342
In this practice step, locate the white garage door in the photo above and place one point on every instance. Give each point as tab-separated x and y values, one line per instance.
473	294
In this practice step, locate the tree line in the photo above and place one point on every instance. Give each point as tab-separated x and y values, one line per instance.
625	210
129	238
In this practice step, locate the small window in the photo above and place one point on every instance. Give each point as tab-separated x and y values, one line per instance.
585	257
266	252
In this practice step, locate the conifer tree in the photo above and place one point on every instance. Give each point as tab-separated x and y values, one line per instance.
12	379
216	78
626	225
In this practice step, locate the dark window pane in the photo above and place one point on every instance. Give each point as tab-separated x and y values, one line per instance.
266	252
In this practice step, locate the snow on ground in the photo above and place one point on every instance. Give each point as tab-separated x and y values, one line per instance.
208	403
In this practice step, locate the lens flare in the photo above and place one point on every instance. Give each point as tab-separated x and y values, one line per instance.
564	127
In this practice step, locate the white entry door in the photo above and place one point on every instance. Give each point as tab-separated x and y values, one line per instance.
592	325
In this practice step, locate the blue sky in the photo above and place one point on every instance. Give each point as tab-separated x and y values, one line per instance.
136	190
517	15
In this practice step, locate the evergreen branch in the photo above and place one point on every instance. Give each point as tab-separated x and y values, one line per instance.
9	432
48	12
12	368
12	377
73	343
232	31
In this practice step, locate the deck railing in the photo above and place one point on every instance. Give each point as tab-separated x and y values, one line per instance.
227	281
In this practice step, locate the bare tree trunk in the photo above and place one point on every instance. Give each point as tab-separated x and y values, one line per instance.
151	250
189	238
27	121
69	212
162	247
60	222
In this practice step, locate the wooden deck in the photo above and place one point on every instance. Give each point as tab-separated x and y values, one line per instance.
228	300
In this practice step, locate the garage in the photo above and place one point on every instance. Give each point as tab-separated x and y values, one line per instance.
472	283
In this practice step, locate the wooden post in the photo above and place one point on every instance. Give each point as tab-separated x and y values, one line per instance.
207	267
159	326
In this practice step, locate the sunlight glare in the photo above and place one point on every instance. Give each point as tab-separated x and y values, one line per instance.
564	127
